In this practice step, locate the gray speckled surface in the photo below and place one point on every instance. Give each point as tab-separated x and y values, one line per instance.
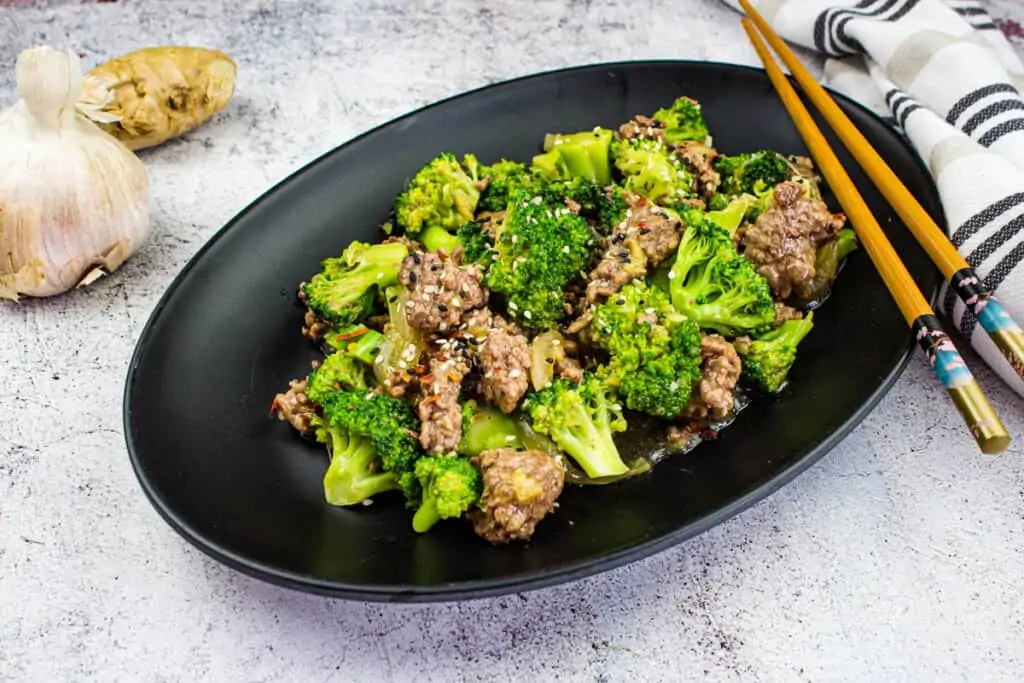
900	557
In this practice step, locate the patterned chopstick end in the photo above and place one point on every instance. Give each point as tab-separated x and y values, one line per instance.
986	428
992	316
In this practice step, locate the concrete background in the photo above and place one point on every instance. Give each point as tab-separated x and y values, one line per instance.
900	557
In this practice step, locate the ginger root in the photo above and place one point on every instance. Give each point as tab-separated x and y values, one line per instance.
152	95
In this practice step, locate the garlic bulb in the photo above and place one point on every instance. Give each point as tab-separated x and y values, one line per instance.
74	202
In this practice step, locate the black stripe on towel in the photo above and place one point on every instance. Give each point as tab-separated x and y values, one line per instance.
992	135
970	11
991	111
830	26
907	111
964	103
979	220
993	242
992	282
985	26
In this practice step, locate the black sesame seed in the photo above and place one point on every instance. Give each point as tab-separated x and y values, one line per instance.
618	237
392	299
549	360
375	350
442	308
412	276
434	267
416	258
621	301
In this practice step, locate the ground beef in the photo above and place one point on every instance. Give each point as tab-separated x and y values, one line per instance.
720	371
505	364
784	240
804	166
441	289
644	240
698	157
439	410
520	489
313	328
622	262
501	353
569	368
784	313
656	232
641	126
295	408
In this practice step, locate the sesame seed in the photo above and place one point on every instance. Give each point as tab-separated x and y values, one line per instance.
565	249
527	315
616	407
442	308
515	372
402	364
412	276
379	359
671	275
456	301
510	439
380	276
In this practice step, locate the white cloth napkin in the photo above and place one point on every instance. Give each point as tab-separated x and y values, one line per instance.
945	75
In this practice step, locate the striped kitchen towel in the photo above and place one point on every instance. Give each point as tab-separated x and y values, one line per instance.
945	75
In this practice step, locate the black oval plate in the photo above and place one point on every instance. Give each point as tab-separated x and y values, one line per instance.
225	338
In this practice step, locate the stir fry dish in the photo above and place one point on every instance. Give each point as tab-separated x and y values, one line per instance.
516	319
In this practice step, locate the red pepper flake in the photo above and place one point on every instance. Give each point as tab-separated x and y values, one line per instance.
352	335
273	406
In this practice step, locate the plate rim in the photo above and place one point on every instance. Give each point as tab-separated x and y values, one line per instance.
537	579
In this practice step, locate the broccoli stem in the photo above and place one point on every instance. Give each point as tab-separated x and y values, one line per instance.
487	429
357	341
348	480
591	447
426	515
435	238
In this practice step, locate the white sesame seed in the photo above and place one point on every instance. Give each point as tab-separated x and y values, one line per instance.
510	439
512	305
565	249
402	364
616	407
649	311
379	359
673	386
527	315
456	301
671	275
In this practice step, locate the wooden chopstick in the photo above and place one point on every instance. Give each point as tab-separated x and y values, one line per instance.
985	425
993	317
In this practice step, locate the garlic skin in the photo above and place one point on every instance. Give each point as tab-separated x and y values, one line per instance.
74	202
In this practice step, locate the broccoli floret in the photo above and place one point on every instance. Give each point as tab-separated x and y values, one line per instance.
450	485
581	419
443	194
650	169
576	155
768	358
345	369
477	244
344	291
390	424
655	350
354	473
751	172
505	178
611	210
717	288
683	121
735	211
485	428
541	247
